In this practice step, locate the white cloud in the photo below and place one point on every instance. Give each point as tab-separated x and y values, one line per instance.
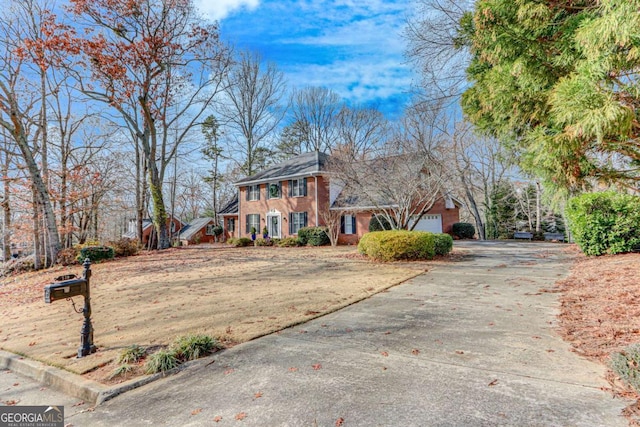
219	9
356	81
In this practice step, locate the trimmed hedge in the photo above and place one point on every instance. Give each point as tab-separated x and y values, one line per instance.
463	230
289	242
314	236
607	222
443	243
395	245
96	253
239	242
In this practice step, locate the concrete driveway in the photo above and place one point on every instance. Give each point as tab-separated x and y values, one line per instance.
469	343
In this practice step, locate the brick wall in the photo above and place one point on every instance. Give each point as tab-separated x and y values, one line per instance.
284	205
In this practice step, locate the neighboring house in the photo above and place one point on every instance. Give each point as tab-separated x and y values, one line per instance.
289	196
200	230
147	227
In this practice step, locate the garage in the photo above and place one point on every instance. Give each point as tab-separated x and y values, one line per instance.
431	223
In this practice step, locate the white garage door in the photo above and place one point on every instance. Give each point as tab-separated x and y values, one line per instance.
432	223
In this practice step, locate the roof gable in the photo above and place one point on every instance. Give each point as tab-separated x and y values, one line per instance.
307	164
193	227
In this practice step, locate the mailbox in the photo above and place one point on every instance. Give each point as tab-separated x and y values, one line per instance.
70	286
65	289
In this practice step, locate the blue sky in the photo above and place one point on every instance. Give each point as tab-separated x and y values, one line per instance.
352	47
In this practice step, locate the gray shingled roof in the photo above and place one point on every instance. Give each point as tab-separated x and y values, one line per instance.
231	207
134	234
306	164
193	227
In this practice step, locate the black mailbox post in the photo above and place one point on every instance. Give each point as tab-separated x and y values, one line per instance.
68	287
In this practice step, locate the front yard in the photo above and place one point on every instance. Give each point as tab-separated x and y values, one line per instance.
234	294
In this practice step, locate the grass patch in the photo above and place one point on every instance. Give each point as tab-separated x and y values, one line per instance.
132	354
626	364
194	346
161	361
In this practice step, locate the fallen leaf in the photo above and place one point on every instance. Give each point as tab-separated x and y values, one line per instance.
228	371
258	395
293	369
196	411
550	351
16	384
459	352
10	402
79	403
387	333
494	382
535	337
384	368
316	367
415	352
32	343
491	324
217	419
340	422
241	416
384	353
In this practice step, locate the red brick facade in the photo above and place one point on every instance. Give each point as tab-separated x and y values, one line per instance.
280	207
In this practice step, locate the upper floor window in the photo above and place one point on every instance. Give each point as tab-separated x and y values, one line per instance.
274	190
253	192
298	187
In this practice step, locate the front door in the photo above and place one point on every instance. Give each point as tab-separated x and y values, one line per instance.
273	219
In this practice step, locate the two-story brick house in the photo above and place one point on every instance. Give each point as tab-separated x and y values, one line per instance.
291	194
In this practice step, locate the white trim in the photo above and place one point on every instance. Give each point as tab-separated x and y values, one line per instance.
317	206
280	178
274	214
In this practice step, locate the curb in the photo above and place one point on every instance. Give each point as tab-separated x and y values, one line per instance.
74	385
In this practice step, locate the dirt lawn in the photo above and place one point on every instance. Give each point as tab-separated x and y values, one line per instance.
234	294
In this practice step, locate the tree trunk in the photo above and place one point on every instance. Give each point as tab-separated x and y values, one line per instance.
6	210
538	207
159	211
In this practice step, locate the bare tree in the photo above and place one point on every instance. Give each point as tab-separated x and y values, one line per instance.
25	58
314	111
155	57
433	35
253	111
481	164
361	131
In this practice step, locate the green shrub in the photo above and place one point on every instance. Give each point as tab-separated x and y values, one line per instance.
626	364
96	253
131	354
314	236
398	245
217	230
68	256
263	242
194	346
463	230
289	242
124	247
161	361
443	243
379	223
606	222
240	242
